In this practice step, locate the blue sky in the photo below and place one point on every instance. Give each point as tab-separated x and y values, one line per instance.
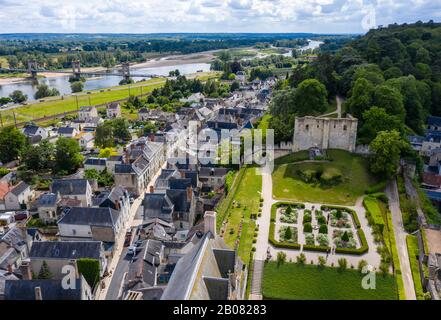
147	16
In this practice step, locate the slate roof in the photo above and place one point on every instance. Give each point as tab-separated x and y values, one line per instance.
30	130
434	121
215	172
114	106
86	109
66	130
123	168
157	205
115	158
96	161
19	188
70	186
5	275
50	290
14	238
179	199
103	217
47	200
193	270
66	249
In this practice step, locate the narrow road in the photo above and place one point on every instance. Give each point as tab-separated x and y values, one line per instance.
338	111
119	264
262	237
400	236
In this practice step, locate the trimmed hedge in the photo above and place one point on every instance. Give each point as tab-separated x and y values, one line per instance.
359	251
316	248
373	212
272	230
425	245
350	211
395	258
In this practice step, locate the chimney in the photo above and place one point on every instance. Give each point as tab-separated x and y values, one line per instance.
210	222
25	269
152	189
189	194
117	205
10	268
71	188
38	295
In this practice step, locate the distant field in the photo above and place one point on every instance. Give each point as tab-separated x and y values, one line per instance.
291	281
287	184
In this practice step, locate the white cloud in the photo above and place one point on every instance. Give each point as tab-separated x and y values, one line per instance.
143	16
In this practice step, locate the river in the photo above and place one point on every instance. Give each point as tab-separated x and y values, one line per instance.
62	83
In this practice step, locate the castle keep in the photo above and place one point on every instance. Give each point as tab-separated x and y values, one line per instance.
325	133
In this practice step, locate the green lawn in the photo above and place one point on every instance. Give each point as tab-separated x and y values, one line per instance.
412	248
292	157
248	197
291	281
287	184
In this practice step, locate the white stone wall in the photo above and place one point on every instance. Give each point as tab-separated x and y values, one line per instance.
325	133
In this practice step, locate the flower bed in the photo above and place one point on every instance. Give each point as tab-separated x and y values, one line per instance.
288	215
288	234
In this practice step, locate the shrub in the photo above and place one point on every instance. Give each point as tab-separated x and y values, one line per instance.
288	233
307	228
3	171
301	258
331	177
361	265
90	269
321	220
321	262
323	229
342	264
377	188
281	258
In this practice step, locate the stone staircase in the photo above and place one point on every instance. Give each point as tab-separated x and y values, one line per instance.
256	281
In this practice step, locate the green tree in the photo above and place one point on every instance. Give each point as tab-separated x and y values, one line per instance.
77	86
361	98
288	233
5	100
39	157
45	273
67	155
375	120
12	144
121	129
345	237
18	96
234	86
387	148
107	152
390	100
311	97
104	137
44	91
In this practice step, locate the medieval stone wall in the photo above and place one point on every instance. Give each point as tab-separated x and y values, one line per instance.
325	133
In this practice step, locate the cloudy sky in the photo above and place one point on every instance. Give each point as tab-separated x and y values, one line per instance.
147	16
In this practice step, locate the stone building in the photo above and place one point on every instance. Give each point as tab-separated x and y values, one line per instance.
325	133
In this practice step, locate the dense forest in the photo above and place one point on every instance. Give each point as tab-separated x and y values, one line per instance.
392	74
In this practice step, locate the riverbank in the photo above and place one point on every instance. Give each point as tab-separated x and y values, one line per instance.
54	107
164	61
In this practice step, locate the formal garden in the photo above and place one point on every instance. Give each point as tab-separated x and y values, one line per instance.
294	226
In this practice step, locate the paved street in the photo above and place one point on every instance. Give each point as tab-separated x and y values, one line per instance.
400	236
119	264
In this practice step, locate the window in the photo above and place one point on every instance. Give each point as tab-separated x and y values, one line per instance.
74	232
307	127
345	127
